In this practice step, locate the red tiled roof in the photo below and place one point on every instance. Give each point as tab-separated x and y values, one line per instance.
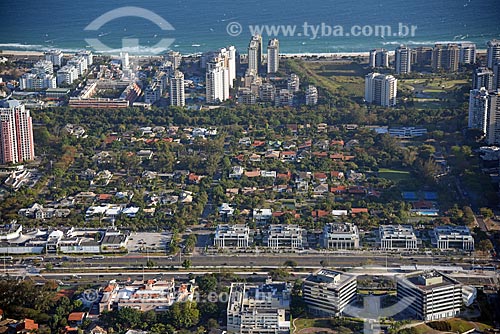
76	316
320	213
104	197
359	210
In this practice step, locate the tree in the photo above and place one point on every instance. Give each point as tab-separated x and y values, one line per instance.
290	263
206	283
485	245
486	212
186	264
183	315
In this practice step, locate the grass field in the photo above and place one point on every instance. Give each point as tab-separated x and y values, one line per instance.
337	76
393	175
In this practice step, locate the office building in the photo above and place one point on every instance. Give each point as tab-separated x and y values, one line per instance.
397	237
381	89
430	296
445	57
403	60
327	292
237	236
483	77
379	58
340	236
467	53
54	56
284	236
255	53
177	93
263	309
217	81
452	237
493	52
478	109
16	133
311	95
273	57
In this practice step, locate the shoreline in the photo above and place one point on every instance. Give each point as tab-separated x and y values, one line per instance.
27	53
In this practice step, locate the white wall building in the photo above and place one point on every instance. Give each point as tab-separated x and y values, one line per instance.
478	109
273	57
448	237
177	92
311	95
340	236
402	60
467	53
54	56
381	89
430	295
217	81
493	52
263	309
327	292
397	237
232	236
255	53
284	236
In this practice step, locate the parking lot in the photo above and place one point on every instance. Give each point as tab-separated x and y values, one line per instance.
144	242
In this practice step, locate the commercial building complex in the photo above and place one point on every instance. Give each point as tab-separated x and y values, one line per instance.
327	292
340	236
397	237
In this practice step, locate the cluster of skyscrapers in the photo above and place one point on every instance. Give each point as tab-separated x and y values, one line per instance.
484	100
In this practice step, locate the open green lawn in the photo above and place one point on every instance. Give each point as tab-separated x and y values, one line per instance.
393	174
335	76
308	323
459	325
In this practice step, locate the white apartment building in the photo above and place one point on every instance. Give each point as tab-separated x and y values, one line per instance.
430	295
263	309
273	57
478	109
43	66
67	74
284	98
467	53
293	83
340	236
284	236
54	56
327	292
381	89
255	53
483	77
267	92
311	95
237	236
448	237
38	81
407	132
402	60
177	92
152	93
397	237
217	81
378	58
493	52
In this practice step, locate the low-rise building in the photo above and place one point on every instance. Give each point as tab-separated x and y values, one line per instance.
259	309
447	237
340	236
430	295
232	236
397	237
327	292
284	236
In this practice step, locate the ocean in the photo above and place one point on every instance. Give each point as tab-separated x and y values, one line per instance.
199	26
